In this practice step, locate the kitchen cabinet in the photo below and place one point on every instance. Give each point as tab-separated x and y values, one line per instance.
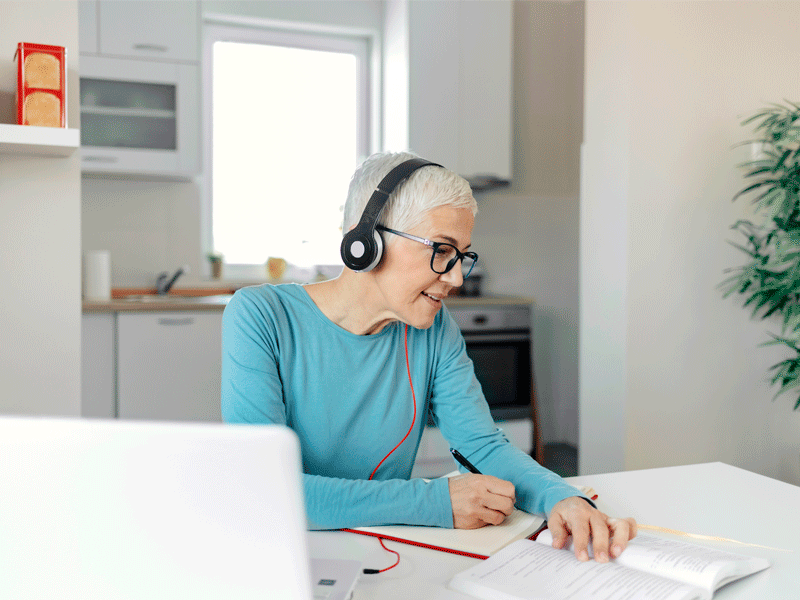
87	27
448	74
139	117
140	88
98	365
150	29
169	365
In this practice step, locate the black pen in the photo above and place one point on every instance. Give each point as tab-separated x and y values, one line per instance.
464	462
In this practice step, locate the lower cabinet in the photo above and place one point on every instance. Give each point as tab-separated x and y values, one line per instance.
169	365
152	365
98	356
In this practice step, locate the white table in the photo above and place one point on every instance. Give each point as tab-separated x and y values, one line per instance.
710	499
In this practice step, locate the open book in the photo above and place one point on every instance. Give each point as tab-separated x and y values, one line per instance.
649	568
477	543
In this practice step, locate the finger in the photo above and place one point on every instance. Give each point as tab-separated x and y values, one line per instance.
580	538
558	530
500	487
482	515
622	530
499	503
599	525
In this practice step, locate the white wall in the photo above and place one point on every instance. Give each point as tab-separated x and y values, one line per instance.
670	372
39	236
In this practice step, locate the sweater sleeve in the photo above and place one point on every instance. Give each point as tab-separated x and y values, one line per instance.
252	392
462	414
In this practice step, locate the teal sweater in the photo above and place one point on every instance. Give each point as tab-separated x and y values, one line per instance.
349	400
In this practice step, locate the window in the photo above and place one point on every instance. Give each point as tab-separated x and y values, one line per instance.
287	122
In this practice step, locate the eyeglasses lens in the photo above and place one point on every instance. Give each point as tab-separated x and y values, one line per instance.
445	257
466	266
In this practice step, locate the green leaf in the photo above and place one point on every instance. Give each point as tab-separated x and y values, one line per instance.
787	388
751	187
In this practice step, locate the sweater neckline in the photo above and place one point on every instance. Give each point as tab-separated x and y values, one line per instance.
305	297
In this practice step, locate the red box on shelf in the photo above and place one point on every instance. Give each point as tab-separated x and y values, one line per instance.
41	85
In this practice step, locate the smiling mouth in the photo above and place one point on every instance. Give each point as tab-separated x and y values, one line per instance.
434	298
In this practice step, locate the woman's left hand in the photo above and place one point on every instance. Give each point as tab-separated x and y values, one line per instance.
574	516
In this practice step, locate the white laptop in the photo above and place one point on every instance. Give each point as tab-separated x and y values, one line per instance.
105	509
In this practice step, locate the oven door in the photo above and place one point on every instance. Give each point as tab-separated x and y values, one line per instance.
502	363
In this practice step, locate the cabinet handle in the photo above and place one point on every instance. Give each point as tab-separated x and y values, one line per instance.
154	47
176	321
100	159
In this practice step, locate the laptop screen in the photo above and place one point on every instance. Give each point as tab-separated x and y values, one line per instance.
106	509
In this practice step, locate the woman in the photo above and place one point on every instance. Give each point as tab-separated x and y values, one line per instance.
354	365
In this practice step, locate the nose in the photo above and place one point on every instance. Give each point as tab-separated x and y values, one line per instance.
454	276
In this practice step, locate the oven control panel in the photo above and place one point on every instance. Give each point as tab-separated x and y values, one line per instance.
492	318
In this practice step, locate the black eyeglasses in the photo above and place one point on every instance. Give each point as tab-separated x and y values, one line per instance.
444	257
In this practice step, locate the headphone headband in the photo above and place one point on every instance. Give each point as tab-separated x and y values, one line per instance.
362	247
380	196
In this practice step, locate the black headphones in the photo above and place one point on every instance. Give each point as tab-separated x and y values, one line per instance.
362	246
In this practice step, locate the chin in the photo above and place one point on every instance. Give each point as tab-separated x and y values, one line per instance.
422	322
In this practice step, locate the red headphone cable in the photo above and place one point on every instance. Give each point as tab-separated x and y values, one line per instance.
413	420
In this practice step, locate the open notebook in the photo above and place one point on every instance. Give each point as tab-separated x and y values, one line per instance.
112	510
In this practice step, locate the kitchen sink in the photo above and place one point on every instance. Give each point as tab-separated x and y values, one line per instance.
174	298
154	298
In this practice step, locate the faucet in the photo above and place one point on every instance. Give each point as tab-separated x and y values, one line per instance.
164	282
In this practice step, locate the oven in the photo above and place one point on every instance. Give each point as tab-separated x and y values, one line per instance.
498	338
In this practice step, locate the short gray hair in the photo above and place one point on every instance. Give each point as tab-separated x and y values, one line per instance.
424	190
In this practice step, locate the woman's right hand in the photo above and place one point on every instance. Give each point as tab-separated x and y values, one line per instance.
480	500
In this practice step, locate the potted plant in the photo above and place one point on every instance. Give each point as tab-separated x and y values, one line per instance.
216	259
770	280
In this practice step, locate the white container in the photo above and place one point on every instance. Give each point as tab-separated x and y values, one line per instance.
97	276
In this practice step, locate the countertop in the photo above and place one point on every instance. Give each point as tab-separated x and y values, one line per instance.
214	299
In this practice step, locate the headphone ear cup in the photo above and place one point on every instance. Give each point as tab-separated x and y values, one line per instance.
378	251
359	252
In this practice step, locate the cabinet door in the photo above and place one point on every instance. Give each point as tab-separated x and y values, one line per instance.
97	365
459	72
485	81
152	29
139	117
87	26
169	365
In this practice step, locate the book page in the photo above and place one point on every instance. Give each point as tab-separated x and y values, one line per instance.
484	541
527	570
690	563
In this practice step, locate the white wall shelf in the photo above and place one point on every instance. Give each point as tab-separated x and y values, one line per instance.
38	141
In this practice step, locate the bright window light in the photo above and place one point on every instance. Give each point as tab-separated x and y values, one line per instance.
285	131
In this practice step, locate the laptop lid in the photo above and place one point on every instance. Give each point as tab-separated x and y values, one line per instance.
106	509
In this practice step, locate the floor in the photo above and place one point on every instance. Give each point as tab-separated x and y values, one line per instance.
561	459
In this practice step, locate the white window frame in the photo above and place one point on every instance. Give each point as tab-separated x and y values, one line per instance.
364	43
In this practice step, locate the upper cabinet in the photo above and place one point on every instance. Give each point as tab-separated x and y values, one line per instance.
139	118
448	83
140	88
151	29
